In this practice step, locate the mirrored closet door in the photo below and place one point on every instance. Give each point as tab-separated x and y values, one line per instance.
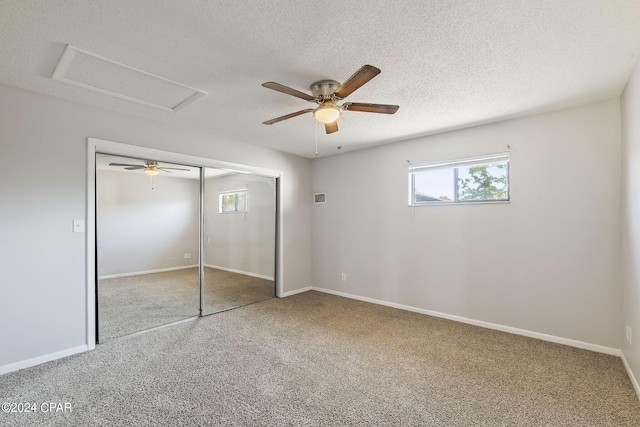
147	241
239	239
177	241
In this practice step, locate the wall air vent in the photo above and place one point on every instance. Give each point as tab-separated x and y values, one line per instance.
319	198
102	75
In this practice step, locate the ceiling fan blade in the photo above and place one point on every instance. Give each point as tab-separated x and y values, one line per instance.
370	108
331	127
165	170
288	116
177	169
353	83
124	164
134	168
284	89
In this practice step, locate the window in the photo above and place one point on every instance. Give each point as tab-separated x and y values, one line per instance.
233	201
473	180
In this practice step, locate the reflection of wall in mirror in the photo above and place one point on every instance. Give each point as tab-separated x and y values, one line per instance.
140	229
243	241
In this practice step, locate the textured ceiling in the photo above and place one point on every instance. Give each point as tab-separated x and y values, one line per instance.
448	64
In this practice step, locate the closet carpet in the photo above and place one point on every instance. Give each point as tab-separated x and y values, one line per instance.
136	303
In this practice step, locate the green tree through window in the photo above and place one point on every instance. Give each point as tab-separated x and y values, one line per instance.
483	182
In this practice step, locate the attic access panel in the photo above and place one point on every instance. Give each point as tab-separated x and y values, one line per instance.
98	74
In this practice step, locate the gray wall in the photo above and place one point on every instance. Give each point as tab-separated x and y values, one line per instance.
43	149
631	221
142	229
548	262
241	241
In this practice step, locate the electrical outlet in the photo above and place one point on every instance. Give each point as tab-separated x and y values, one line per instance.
343	277
628	333
187	256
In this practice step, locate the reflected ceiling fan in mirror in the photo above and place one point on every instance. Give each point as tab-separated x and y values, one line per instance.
327	94
150	167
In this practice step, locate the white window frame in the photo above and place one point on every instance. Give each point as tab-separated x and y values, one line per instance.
454	165
235	192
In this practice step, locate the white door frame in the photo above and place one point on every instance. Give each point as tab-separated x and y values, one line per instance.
94	146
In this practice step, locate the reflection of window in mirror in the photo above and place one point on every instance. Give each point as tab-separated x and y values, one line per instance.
233	201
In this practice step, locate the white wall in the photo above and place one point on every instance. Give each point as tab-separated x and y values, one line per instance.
43	152
241	241
140	228
548	262
630	106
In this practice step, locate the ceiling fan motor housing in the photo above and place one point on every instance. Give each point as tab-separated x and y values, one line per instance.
323	90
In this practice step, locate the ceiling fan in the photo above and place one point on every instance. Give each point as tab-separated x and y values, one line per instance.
327	94
150	167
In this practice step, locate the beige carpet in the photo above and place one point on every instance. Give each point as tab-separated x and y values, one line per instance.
136	303
319	360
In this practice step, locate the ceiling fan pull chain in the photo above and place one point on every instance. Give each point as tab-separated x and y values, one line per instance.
316	137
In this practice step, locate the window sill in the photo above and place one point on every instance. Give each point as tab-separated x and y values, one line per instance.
496	202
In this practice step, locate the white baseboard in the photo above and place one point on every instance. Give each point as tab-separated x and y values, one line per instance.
488	325
138	273
231	270
41	359
297	291
632	377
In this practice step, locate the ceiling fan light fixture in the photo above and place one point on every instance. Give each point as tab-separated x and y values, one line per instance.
151	172
327	113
